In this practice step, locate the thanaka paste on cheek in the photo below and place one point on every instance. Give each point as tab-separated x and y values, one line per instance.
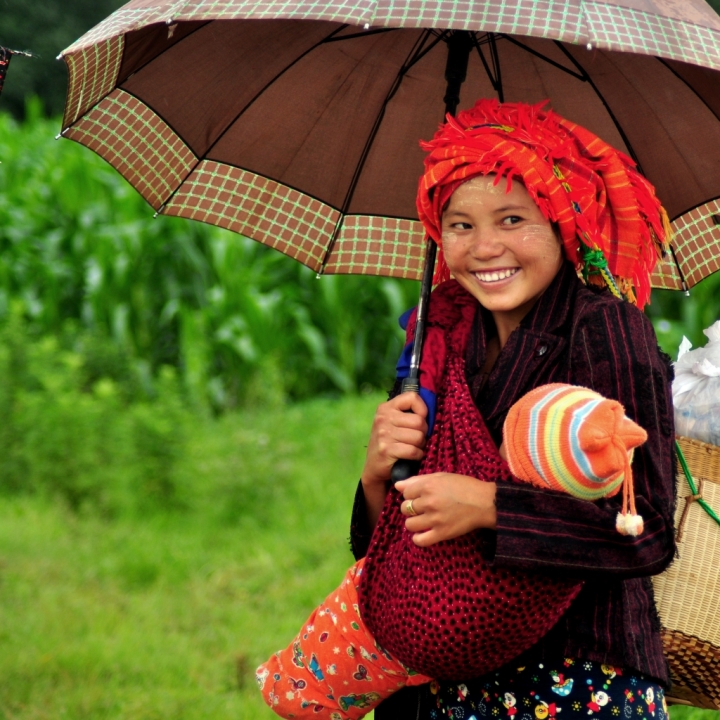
546	242
448	239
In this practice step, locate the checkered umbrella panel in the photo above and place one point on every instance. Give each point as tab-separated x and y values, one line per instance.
297	124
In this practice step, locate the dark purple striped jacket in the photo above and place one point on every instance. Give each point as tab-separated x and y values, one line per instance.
578	335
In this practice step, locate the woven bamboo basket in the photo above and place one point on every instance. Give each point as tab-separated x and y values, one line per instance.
688	592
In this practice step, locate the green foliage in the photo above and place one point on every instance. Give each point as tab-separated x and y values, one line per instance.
239	322
681	712
166	615
43	29
76	429
70	432
674	314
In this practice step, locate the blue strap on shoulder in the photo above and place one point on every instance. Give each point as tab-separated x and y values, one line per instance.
403	370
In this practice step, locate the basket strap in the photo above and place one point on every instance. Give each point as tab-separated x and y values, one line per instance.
696	494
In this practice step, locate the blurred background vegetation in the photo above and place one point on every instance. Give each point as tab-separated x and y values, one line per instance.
44	28
183	418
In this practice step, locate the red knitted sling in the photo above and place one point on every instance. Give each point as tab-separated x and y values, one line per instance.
443	610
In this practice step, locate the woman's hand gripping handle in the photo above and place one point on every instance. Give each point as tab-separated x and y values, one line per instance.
404	468
398	433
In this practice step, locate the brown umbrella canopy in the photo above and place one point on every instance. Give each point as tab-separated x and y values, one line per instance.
303	133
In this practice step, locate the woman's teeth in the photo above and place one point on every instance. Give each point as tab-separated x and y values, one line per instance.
495	276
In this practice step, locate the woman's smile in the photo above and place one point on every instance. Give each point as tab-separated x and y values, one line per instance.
495	276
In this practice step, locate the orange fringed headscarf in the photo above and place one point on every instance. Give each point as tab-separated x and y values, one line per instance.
604	209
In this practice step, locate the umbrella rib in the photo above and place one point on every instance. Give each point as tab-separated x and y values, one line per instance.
684	284
119	82
243	111
416	53
544	57
414	56
360	34
589	80
496	66
488	71
687	84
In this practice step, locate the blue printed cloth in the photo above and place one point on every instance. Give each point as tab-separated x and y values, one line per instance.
539	691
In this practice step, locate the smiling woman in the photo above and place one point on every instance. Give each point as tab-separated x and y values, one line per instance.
510	597
522	202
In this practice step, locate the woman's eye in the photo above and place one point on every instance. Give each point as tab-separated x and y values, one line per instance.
511	220
462	226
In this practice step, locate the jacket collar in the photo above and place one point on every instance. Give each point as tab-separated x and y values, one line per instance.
552	309
531	353
548	315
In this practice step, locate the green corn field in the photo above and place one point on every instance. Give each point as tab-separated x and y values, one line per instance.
80	254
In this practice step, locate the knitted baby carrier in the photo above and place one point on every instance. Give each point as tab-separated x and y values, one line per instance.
444	610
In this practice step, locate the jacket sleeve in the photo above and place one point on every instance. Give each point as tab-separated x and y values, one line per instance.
360	531
614	352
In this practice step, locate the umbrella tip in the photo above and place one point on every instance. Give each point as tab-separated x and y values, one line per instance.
366	26
589	46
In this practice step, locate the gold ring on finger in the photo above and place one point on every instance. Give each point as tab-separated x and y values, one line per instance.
410	509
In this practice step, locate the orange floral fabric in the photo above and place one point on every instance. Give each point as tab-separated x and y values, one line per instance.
333	669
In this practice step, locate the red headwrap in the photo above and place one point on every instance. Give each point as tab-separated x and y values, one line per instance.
604	209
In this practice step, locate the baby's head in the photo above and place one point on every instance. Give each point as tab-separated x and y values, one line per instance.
571	439
601	208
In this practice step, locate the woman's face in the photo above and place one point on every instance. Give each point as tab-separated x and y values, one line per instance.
500	247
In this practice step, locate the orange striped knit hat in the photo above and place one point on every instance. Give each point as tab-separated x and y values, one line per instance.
568	438
611	223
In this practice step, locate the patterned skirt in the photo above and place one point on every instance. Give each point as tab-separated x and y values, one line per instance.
539	691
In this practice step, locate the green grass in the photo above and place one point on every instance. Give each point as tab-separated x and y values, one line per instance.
679	712
166	615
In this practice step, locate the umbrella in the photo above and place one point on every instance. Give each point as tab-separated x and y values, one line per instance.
297	124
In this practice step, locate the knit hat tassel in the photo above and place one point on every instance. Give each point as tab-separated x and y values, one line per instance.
629	523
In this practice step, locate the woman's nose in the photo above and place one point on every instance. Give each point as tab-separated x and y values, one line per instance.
486	244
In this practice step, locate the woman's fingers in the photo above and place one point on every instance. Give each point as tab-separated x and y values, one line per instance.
389	435
427	538
409	402
406	508
441	506
398	433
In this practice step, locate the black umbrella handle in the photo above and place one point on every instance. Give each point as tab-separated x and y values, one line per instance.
403	469
460	43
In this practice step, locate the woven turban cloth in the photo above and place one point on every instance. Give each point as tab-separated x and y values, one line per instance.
606	212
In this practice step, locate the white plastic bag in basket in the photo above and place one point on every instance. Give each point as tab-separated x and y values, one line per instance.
696	389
